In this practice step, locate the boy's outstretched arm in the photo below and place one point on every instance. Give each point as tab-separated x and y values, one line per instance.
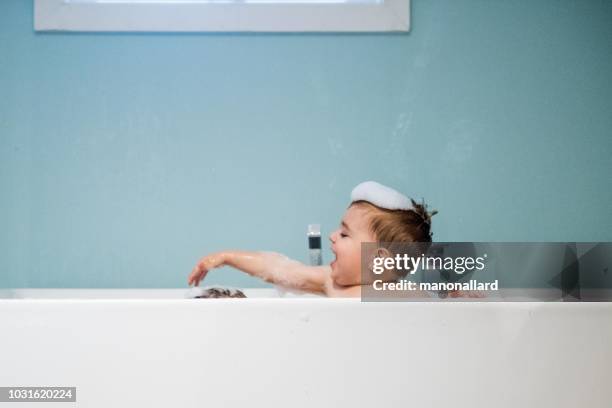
270	266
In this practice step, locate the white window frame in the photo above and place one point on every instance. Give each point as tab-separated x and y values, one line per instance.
223	15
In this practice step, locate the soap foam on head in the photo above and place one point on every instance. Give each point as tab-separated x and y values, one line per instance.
381	196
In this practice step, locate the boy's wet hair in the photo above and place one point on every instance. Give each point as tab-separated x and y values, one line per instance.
394	228
412	225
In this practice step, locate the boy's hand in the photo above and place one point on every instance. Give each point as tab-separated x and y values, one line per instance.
204	265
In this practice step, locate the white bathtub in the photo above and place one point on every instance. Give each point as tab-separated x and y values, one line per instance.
153	348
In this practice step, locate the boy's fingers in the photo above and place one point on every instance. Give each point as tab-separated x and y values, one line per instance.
193	276
198	272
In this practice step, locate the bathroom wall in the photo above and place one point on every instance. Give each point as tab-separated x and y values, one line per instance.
126	157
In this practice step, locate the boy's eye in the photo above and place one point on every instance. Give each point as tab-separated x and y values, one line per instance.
342	234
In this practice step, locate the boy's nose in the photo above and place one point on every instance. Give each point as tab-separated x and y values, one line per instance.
331	237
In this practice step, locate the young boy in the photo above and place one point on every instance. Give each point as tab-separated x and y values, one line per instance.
376	214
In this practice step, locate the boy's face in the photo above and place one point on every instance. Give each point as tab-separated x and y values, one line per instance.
346	245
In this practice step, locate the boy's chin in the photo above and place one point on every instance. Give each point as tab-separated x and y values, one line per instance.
341	279
335	274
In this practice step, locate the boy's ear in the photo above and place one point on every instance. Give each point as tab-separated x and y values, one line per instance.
380	252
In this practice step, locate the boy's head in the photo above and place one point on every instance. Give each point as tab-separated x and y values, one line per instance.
364	221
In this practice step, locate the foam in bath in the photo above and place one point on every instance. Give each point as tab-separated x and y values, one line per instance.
381	196
215	292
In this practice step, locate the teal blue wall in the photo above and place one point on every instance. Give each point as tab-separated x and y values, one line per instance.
126	157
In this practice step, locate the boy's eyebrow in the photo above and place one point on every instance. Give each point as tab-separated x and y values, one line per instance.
344	224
